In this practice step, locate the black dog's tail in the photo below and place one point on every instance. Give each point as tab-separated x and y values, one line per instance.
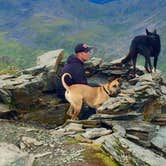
126	60
132	52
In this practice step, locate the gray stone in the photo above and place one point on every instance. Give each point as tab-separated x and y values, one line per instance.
151	92
101	139
50	59
29	142
163	89
93	62
4	108
12	155
118	129
160	119
156	76
145	77
117	61
121	116
104	65
142	132
163	81
5	96
137	131
128	92
114	71
96	132
53	115
34	70
128	153
74	127
160	140
115	104
141	88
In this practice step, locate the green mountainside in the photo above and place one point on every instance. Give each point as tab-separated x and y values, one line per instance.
30	27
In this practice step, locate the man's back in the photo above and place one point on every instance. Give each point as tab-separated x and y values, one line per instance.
75	68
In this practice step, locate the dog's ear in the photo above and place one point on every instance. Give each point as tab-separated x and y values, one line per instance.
147	32
155	31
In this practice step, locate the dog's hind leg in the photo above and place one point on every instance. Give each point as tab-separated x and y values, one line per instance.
70	111
155	63
76	103
77	110
148	65
134	59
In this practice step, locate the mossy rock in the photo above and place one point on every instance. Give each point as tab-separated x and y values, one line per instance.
94	152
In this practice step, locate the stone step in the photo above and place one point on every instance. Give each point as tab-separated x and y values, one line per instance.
160	120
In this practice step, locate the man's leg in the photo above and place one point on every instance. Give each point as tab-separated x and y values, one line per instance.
86	112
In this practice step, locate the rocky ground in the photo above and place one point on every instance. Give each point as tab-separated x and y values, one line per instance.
129	128
23	144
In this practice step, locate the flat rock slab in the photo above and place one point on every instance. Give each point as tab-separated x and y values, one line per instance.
119	116
96	133
160	120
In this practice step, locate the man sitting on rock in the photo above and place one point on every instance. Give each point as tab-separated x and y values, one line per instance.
75	67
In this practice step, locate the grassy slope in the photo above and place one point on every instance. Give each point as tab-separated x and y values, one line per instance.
19	55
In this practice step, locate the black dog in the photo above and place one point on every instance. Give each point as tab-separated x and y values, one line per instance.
147	45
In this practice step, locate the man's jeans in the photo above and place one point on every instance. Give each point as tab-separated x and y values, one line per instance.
86	112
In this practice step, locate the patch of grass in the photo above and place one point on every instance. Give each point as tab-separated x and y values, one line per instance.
106	159
96	153
8	70
45	24
71	140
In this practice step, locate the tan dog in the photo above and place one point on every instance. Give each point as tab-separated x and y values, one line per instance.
93	96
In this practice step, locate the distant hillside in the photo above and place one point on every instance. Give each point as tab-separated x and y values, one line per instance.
30	27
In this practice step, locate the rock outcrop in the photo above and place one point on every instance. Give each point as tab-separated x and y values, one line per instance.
26	91
25	87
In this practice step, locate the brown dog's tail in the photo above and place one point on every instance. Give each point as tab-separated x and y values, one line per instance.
63	80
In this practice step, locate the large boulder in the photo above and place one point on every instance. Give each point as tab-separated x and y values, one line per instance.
50	59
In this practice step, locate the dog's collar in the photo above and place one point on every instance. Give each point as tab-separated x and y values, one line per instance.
106	92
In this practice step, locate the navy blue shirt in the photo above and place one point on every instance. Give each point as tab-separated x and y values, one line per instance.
75	68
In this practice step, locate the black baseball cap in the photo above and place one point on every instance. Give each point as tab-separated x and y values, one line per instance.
82	47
